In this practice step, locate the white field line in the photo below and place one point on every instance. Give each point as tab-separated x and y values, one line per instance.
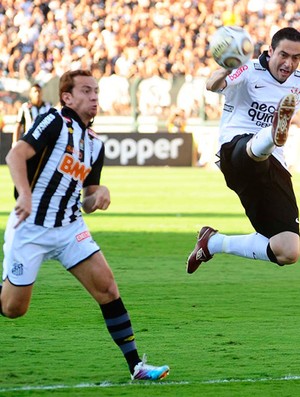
146	383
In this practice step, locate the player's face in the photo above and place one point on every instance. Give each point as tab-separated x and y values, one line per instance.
284	59
84	97
35	96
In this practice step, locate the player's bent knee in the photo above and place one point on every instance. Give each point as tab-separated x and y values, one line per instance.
111	293
290	261
289	258
11	311
108	294
12	314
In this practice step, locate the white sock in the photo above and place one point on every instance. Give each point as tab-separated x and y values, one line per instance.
215	243
253	246
262	144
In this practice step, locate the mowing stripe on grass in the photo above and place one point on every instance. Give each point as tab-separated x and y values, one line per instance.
147	383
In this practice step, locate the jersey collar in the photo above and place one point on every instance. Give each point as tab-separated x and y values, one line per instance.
68	112
264	61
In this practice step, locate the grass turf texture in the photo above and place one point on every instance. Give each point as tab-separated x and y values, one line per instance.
230	329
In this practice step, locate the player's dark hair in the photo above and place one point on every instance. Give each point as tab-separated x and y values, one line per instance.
66	82
36	85
285	34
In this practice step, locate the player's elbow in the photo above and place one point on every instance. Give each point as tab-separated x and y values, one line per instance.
8	157
208	86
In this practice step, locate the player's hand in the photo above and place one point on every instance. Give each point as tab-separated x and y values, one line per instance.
96	198
102	198
22	208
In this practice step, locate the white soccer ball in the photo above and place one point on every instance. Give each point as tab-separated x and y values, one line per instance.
231	47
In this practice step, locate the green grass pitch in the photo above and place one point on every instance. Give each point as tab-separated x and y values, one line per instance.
230	329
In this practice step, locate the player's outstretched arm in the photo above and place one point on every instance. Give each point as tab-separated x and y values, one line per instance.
217	81
95	198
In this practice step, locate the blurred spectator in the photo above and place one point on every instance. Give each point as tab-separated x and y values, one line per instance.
1	117
114	95
154	96
177	120
190	95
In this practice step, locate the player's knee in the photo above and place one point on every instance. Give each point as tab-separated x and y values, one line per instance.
111	291
288	257
12	311
107	293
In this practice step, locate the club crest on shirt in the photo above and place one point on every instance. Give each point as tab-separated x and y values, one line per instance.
296	92
17	269
72	150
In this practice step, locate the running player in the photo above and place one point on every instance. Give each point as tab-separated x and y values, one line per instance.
57	158
29	111
260	100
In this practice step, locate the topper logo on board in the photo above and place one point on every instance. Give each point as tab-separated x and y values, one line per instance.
141	150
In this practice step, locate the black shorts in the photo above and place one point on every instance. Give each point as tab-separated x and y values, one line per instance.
265	188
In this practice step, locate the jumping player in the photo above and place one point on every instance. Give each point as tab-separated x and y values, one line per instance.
260	100
53	162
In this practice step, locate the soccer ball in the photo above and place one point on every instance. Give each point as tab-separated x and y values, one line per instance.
231	47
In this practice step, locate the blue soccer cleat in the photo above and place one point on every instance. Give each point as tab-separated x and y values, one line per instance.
143	371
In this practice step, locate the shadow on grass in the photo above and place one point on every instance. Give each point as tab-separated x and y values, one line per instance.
169	214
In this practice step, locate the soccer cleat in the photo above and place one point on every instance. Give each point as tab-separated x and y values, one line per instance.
282	119
143	371
200	253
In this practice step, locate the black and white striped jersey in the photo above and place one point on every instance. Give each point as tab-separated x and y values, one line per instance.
29	112
69	156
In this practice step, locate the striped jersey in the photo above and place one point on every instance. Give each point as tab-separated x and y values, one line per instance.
29	112
69	156
251	98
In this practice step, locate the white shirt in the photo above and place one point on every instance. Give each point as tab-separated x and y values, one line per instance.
251	98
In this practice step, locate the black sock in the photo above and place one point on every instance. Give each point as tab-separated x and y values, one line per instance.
272	256
119	326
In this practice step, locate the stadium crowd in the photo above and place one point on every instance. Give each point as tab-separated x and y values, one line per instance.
127	43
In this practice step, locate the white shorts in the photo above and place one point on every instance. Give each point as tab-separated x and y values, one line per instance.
27	246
